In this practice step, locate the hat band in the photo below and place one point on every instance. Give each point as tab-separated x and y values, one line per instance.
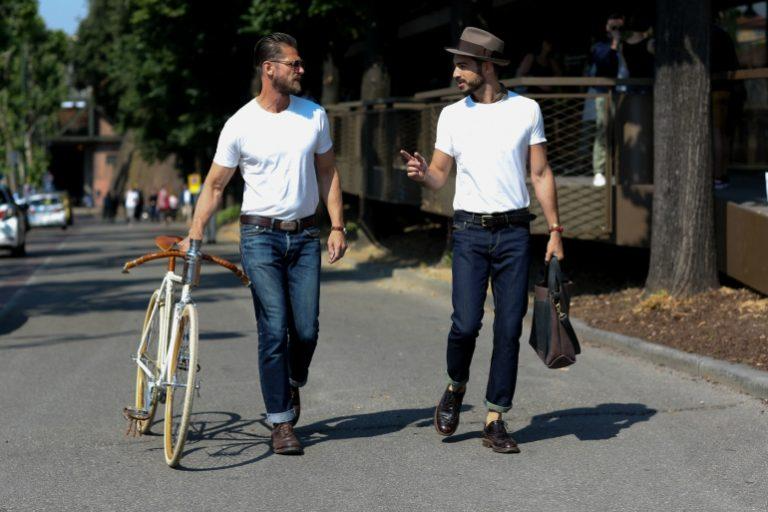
466	46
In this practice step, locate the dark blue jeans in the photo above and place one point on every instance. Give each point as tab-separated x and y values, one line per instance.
503	255
284	269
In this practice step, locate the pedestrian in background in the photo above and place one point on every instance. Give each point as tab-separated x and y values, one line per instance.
163	205
131	200
490	135
282	145
604	62
186	205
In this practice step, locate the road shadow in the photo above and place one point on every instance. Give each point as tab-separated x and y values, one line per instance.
598	423
226	436
602	422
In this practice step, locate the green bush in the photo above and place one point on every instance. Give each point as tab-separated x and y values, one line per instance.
227	215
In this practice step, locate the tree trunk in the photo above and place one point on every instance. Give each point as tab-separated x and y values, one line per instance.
683	260
330	93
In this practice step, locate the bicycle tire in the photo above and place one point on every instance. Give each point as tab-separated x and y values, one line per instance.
150	337
182	372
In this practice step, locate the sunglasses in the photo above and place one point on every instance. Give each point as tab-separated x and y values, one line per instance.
295	64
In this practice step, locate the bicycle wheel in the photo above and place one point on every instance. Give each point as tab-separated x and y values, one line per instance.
181	389
145	399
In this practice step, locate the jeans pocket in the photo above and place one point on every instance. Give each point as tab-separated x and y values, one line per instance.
251	230
313	232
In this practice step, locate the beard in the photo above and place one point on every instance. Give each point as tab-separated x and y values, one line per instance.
473	85
287	85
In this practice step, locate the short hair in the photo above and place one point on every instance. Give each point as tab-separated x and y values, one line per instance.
270	48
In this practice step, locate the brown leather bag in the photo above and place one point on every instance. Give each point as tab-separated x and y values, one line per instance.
552	336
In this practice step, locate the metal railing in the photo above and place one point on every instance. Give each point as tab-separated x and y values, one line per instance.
369	135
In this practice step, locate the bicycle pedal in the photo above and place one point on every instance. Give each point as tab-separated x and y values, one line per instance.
132	413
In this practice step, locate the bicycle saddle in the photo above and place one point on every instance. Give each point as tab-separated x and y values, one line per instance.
166	243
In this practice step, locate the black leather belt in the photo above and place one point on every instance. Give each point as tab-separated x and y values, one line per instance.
496	220
291	226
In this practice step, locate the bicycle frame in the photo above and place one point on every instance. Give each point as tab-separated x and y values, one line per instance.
169	328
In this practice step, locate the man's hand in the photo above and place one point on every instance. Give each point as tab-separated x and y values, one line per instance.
554	246
337	246
183	245
416	165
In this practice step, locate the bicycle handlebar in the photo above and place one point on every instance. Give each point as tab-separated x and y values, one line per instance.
179	254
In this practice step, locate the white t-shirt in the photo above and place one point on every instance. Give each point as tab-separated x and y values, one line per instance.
489	142
276	156
132	198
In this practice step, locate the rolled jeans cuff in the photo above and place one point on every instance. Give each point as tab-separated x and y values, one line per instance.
281	417
497	408
456	384
297	384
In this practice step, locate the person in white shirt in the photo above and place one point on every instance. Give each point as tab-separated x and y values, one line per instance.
282	145
490	135
131	202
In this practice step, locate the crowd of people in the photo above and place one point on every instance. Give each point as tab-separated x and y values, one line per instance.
162	205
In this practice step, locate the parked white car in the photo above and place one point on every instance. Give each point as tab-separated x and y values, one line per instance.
13	229
47	210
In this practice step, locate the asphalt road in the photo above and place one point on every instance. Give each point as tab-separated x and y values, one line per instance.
610	433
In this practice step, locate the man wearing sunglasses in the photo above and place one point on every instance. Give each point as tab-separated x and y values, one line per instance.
282	145
490	135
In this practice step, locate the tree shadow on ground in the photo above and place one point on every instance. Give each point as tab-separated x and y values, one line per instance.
226	436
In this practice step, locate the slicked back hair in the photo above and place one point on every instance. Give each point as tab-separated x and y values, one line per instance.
270	48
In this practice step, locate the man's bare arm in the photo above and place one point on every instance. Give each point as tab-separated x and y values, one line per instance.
330	192
213	190
433	176
543	180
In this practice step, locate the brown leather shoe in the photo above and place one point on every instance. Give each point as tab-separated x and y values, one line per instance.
284	440
447	412
496	438
296	401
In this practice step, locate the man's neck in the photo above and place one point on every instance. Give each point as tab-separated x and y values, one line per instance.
272	100
490	92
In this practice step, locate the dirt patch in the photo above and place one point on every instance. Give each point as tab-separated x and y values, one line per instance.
727	323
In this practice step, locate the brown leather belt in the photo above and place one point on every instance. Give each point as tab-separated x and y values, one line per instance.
291	226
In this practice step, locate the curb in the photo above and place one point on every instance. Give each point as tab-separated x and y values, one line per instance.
736	375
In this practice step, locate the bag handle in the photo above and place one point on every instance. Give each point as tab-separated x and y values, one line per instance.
554	278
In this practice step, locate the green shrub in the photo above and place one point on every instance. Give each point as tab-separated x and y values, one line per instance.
227	215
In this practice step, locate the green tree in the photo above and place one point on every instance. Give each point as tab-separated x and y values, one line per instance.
170	70
33	75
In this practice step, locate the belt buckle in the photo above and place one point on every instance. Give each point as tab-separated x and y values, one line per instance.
289	225
486	221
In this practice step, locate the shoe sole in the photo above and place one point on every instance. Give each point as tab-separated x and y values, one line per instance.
434	423
289	451
488	444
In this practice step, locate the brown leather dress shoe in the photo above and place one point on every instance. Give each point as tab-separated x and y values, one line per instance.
296	401
284	440
496	438
447	412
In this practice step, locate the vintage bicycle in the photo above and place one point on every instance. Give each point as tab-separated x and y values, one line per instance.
166	359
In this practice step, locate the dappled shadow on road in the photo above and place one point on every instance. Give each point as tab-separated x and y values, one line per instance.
227	437
602	422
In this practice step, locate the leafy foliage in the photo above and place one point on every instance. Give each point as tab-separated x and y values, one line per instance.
32	85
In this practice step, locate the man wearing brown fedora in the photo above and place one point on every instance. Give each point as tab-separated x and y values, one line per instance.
490	134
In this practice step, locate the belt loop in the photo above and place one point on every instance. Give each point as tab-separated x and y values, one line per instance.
272	223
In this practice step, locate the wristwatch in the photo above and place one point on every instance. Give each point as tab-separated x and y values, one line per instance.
339	228
556	227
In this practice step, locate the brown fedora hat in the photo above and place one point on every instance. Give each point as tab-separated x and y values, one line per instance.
481	45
